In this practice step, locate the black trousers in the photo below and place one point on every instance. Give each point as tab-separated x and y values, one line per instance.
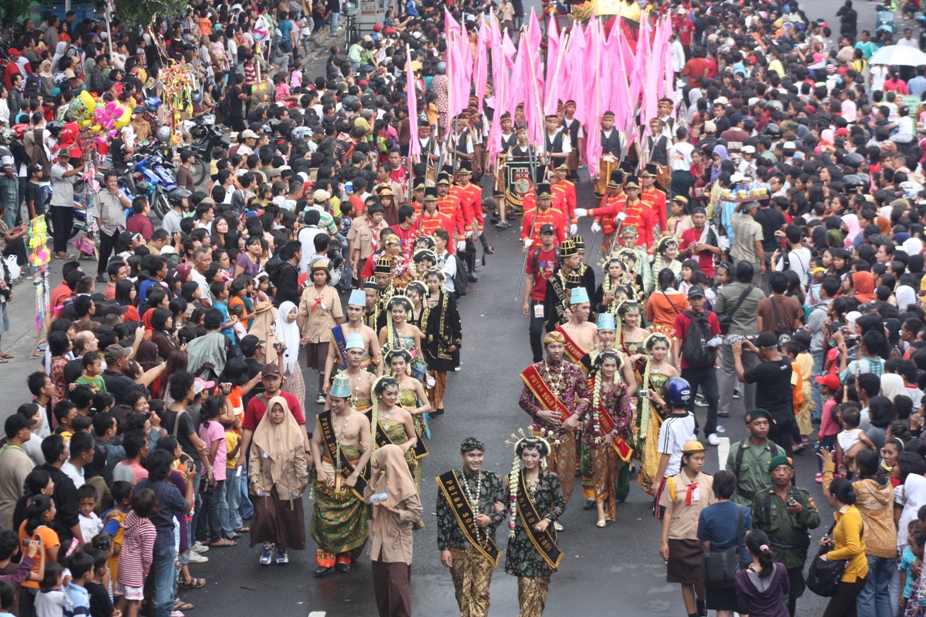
706	379
843	604
780	433
536	332
107	244
62	218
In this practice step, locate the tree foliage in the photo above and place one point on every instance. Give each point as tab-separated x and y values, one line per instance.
144	12
13	10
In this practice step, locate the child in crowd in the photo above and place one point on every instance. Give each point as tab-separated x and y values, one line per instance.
911	561
831	392
81	567
51	600
113	521
137	552
90	523
851	439
97	586
93	372
7	598
233	485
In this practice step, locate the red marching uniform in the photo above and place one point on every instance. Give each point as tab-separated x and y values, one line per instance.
564	199
552	216
637	214
656	200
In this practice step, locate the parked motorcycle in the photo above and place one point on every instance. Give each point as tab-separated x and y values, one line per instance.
206	136
149	167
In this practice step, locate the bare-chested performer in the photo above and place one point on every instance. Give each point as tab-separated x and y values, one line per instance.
580	334
337	352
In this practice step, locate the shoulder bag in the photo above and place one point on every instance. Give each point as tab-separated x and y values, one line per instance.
719	569
725	318
783	337
825	575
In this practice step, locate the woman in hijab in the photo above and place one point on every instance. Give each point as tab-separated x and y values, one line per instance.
906	296
850	222
719	155
277	476
287	332
47	77
60	50
864	286
262	327
147	355
396	508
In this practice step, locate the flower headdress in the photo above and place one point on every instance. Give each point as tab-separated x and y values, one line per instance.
540	438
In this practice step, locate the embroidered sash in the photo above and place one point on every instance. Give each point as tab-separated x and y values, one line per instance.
607	425
574	352
538	387
544	542
382	439
450	485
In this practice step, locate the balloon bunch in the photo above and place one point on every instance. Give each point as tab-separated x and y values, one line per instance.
110	116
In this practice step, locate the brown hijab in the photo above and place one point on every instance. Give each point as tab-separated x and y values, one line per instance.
278	440
395	478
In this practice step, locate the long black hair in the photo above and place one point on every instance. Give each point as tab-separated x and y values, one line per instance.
757	544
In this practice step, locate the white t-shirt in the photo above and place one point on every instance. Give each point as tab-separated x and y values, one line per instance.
673	434
77	475
798	261
680	156
878	76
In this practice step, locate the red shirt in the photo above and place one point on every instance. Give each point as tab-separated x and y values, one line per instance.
59	297
681	328
430	224
546	265
256	410
552	216
564	199
656	200
695	68
684	28
705	258
471	201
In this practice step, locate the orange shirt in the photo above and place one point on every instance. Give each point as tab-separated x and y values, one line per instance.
450	205
471	202
429	224
49	540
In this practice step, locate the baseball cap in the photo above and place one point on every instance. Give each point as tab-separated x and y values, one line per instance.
248	134
270	369
766	339
114	353
35	167
12	51
321	195
547	229
16	423
830	380
200	384
348	186
695	291
710	126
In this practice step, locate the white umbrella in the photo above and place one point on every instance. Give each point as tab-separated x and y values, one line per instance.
898	55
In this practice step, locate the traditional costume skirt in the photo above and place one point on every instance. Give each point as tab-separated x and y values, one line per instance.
472	574
606	473
339	521
684	564
532	595
649	453
562	462
278	521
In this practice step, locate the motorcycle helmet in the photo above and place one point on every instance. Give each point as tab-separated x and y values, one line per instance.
678	392
164	134
59	79
301	132
199	131
772	130
852	182
54	127
177	193
152	103
7	136
854	159
142	187
197	97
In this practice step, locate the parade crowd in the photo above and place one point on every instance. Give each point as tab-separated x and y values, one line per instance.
761	240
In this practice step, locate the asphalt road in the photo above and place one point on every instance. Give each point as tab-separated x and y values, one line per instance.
612	571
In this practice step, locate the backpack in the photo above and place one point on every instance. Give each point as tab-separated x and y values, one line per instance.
460	280
694	348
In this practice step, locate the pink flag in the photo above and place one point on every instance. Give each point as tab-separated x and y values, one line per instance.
593	133
508	49
554	60
414	147
499	77
481	68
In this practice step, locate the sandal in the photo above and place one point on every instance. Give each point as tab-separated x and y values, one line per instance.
194	583
6	355
180	605
223	543
243	530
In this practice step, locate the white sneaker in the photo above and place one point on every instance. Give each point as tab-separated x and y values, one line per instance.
199	547
197	558
713	439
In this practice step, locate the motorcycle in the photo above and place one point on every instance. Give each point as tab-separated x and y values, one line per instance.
79	225
150	167
206	136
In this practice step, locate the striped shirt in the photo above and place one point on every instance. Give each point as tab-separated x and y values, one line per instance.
137	552
171	501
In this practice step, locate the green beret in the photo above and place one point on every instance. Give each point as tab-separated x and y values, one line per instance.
756	414
471	443
779	460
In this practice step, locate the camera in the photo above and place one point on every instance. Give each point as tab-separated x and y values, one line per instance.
643	393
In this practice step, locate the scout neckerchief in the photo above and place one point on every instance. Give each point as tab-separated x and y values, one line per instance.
452	488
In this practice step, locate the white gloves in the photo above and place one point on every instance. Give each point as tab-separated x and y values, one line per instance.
527	243
573	228
596	227
581	212
621	216
469	234
461	245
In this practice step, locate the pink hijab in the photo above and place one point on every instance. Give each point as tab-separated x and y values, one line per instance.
851	223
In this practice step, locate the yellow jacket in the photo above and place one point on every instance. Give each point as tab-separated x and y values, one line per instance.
849	544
